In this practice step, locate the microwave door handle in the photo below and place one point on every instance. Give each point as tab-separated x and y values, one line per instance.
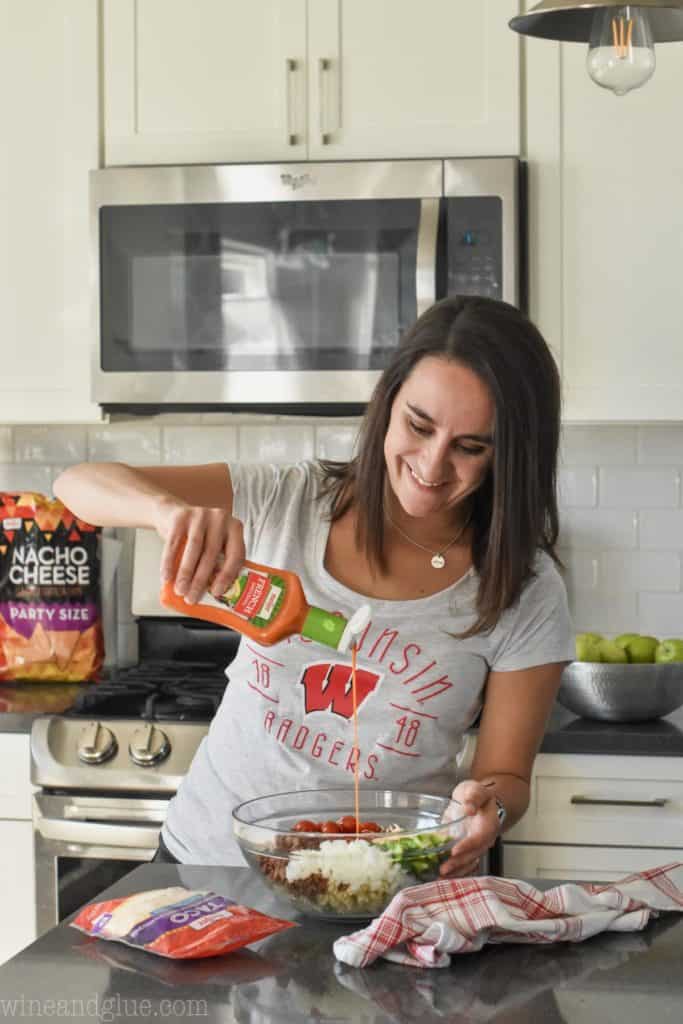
425	268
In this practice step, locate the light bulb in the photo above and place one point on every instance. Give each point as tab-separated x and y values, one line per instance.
621	53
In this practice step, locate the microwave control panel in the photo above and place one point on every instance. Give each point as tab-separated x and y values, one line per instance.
475	246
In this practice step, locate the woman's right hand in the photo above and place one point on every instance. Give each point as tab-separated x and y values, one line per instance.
212	536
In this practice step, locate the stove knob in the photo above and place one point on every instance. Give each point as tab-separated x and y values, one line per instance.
96	744
149	746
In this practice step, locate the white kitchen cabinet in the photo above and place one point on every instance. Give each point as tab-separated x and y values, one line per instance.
393	78
604	800
606	233
598	818
204	81
582	863
17	888
17	883
48	80
209	81
15	771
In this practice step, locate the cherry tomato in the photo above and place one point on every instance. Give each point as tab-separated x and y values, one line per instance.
347	823
369	826
330	828
305	826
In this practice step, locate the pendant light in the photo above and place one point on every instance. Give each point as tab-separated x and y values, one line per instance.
621	37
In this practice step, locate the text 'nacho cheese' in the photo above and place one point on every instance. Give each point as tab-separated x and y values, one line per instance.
50	615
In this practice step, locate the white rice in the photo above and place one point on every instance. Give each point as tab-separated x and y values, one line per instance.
356	863
359	875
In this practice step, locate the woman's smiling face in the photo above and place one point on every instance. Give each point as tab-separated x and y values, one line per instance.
439	443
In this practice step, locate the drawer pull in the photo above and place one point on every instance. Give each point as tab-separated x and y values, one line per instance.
589	801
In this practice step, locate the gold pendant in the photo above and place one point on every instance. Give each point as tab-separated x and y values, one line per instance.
438	561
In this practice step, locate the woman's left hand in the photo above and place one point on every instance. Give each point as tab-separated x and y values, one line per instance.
479	804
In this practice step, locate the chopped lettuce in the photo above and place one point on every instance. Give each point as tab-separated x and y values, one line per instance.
415	853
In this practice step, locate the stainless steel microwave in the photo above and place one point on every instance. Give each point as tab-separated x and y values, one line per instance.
285	286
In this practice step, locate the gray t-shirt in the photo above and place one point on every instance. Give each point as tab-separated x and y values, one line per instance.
285	722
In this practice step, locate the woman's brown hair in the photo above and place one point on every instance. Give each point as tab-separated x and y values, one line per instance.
514	511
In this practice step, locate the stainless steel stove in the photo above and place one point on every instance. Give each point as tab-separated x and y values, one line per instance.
105	772
106	769
136	731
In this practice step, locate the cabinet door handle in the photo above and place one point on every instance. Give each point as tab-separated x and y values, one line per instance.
291	70
589	801
324	88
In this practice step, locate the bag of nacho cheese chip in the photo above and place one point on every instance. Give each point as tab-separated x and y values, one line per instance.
181	923
50	616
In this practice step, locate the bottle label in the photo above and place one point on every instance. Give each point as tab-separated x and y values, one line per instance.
256	596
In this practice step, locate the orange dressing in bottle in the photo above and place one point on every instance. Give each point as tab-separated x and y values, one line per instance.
268	605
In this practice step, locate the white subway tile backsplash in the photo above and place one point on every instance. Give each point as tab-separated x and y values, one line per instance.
603	611
336	442
240	419
53	444
597	528
661	615
639	570
135	444
187	446
621	508
661	529
127	649
578	486
26	478
6	447
661	444
595	446
640	487
277	442
581	568
160	419
124	575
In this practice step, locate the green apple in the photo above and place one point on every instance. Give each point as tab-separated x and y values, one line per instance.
613	653
668	651
588	647
641	649
626	638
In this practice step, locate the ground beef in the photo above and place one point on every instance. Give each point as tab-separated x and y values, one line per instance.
312	887
275	867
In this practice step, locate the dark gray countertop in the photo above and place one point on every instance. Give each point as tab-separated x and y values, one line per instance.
22	703
16	722
567	734
293	977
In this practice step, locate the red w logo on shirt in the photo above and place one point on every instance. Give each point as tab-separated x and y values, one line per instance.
328	686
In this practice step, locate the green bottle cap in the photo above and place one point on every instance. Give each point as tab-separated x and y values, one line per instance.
323	627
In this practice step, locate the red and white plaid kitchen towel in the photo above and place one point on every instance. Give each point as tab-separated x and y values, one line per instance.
424	924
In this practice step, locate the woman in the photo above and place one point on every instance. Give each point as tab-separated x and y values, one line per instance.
446	522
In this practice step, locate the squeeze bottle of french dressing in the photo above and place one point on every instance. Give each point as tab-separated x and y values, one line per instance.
269	605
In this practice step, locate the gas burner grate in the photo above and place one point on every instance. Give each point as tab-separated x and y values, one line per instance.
156	691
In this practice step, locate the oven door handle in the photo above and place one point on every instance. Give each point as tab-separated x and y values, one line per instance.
98	833
112	815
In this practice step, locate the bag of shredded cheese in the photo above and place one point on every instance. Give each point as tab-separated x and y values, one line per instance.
50	616
180	923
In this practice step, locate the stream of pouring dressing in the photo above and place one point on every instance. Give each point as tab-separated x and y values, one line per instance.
356	765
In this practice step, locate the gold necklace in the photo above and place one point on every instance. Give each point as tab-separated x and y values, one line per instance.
438	560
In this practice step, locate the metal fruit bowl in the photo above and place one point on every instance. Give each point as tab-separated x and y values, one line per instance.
621	693
347	876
